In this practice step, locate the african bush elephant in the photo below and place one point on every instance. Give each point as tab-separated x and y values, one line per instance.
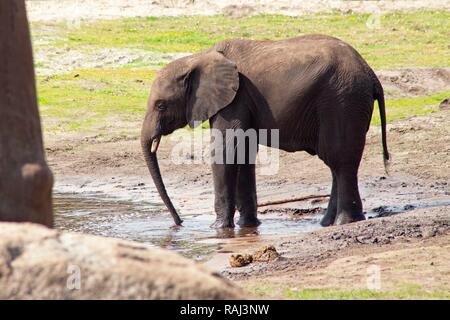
25	179
317	90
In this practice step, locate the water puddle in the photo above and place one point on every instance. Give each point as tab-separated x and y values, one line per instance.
150	223
130	209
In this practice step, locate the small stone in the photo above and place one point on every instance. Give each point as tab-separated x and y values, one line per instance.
240	260
266	254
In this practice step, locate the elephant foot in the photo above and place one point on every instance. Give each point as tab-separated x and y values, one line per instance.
221	223
248	222
328	219
344	218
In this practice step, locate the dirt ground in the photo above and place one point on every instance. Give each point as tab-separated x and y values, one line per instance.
411	243
43	10
409	248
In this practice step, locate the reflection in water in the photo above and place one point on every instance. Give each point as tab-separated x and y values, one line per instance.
150	223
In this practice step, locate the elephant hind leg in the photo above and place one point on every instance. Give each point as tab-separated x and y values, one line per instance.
330	214
341	145
349	205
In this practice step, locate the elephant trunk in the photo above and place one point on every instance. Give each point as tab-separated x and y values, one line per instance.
149	148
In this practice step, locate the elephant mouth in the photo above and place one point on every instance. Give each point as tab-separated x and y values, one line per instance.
155	144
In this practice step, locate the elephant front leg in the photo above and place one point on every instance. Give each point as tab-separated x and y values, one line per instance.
246	199
225	176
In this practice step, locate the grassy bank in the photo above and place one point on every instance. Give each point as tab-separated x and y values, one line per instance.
415	39
105	98
404	291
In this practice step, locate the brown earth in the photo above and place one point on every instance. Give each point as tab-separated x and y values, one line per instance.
339	256
411	247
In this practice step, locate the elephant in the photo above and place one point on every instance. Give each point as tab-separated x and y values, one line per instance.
316	90
26	180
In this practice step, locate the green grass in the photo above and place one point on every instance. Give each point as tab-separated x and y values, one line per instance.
320	294
414	39
94	99
404	291
401	108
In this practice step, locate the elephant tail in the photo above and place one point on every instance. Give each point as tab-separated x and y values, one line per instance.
379	96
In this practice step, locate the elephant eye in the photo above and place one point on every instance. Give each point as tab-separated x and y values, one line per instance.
161	106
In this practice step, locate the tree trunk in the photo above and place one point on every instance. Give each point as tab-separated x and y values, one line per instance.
25	180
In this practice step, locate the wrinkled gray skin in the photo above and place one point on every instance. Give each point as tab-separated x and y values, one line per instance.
317	90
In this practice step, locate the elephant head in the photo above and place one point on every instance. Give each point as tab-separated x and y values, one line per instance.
189	90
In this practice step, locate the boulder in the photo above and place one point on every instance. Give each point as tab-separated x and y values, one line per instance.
41	263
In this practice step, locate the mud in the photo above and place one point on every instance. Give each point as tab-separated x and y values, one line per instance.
142	218
103	187
317	249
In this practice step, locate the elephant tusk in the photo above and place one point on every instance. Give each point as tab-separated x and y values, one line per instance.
155	144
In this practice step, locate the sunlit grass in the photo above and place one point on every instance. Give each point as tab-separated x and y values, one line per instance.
321	294
404	39
405	107
403	291
94	99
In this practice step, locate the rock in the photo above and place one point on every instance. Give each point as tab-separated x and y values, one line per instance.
445	104
41	263
240	260
266	254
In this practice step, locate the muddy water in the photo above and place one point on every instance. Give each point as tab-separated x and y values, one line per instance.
130	208
150	223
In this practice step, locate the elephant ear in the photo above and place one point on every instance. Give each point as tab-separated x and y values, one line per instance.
212	85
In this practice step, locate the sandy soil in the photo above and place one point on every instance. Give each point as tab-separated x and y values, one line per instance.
51	60
411	82
42	10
